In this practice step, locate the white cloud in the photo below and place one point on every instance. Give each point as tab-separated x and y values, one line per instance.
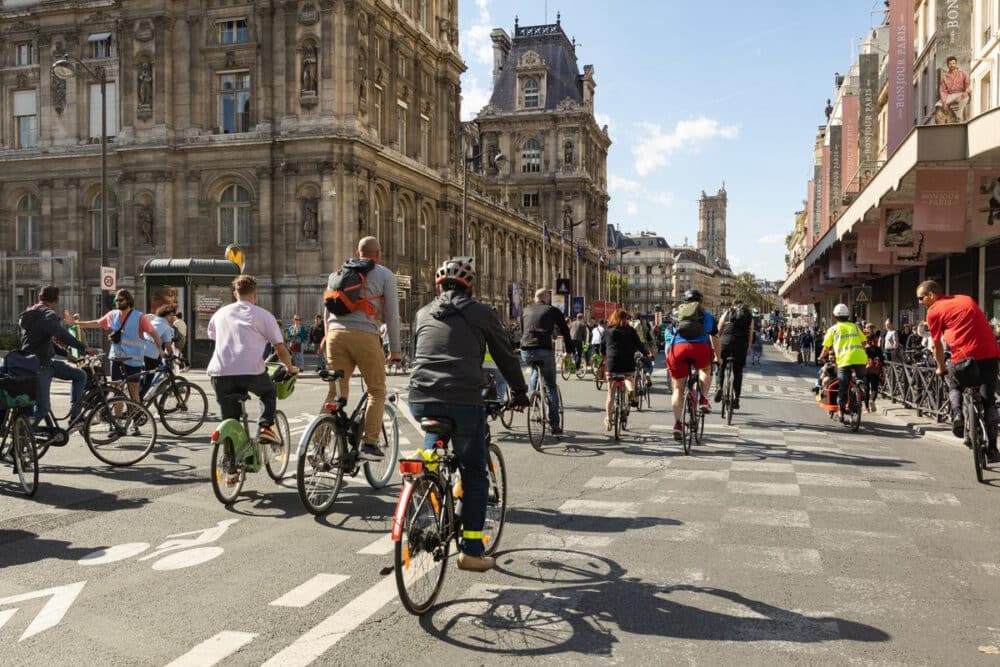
474	97
657	147
631	208
772	239
663	199
475	39
603	119
620	184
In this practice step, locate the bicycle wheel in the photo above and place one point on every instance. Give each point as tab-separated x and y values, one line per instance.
639	385
854	409
320	473
700	434
647	394
378	473
183	407
616	412
496	501
120	432
228	471
536	420
581	371
562	408
727	396
599	377
277	455
566	369
691	421
421	553
22	443
507	416
975	435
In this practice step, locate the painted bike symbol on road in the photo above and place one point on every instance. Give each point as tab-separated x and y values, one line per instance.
60	600
184	549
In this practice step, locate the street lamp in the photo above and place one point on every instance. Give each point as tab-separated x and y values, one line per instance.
497	160
65	69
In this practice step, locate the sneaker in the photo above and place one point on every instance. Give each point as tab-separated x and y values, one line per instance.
736	404
718	396
267	434
371	452
475	563
557	430
992	454
958	426
704	405
678	431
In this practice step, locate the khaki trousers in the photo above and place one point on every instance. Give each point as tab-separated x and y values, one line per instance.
346	350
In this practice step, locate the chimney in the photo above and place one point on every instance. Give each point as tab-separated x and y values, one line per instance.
501	49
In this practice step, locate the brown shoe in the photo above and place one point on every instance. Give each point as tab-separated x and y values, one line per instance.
267	435
475	563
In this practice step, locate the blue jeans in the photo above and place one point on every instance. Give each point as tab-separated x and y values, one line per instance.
548	375
298	358
61	371
498	377
469	444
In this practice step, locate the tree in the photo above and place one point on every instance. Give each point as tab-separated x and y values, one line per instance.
745	289
616	281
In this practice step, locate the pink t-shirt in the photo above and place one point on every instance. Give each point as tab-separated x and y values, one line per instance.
241	331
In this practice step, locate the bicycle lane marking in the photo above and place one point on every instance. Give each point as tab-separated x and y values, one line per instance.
310	591
214	649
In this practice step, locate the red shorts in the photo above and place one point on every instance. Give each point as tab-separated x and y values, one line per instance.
699	353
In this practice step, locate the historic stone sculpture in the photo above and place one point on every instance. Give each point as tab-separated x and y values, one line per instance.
145	84
144	219
310	218
362	215
309	55
363	92
568	153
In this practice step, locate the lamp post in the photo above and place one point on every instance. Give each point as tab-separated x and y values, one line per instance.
497	161
65	69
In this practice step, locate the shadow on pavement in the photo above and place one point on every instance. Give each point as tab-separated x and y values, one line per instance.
30	548
584	522
596	600
361	509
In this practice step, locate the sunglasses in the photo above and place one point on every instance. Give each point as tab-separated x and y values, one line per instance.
921	297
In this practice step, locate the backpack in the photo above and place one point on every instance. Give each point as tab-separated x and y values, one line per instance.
690	320
346	290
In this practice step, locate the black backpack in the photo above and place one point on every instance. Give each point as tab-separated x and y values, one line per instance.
345	293
690	320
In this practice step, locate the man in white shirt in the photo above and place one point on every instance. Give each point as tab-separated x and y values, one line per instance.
890	341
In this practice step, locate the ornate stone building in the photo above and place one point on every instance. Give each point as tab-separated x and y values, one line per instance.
712	224
541	118
289	127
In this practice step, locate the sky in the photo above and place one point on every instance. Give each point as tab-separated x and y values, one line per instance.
696	94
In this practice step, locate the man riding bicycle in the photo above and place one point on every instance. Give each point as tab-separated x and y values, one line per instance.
737	329
847	341
958	321
539	323
578	334
39	326
451	335
648	346
695	340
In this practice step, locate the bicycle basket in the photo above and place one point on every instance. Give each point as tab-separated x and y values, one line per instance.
284	383
966	373
17	391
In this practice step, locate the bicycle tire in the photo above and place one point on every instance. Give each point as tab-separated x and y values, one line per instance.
647	394
507	416
536	419
639	385
496	499
123	442
728	398
186	405
855	409
691	420
567	369
599	377
24	453
224	485
378	473
700	434
616	412
562	408
320	470
975	435
581	372
277	456
420	556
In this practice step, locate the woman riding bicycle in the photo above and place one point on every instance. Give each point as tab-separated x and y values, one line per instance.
621	342
847	341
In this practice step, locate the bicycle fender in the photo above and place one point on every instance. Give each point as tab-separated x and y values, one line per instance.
400	513
232	429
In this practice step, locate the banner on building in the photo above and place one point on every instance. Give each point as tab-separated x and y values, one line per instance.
849	162
811	235
833	267
940	200
868	245
825	192
849	258
915	257
900	73
817	207
868	118
515	300
896	229
835	189
577	306
953	39
985	218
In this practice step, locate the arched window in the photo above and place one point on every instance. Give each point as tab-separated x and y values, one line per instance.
234	216
531	156
401	218
376	228
95	222
530	93
425	240
29	210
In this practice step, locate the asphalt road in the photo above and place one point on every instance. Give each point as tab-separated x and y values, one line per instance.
783	539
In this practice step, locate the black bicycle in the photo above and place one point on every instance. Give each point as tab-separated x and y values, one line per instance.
330	447
728	397
619	404
692	418
181	405
17	441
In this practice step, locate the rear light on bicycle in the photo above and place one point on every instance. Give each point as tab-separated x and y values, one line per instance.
329	407
408	467
215	436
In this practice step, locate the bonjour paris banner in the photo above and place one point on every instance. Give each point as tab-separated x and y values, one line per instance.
900	73
939	209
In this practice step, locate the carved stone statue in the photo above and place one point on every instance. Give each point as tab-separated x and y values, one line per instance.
309	70
568	153
567	217
145	84
144	220
362	215
363	91
310	218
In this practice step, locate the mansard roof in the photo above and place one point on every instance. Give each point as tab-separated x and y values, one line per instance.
559	56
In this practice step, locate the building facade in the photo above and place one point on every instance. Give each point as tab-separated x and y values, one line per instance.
291	128
712	224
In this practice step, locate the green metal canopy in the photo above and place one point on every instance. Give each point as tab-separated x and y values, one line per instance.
190	267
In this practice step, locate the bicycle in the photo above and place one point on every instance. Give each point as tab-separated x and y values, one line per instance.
600	373
856	397
330	445
490	394
726	410
538	407
975	428
235	452
17	441
123	421
692	418
181	405
619	404
570	368
641	383
428	514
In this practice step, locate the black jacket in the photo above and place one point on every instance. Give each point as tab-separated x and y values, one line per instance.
620	345
450	337
39	325
540	323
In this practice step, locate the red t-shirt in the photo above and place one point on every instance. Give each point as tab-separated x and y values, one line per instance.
964	328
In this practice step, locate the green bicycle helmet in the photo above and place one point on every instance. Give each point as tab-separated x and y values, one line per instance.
284	382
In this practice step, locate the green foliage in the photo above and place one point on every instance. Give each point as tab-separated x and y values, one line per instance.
745	290
9	341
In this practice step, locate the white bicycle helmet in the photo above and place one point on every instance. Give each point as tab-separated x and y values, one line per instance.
841	310
459	269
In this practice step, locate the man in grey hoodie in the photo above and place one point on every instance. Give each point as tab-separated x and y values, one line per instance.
450	336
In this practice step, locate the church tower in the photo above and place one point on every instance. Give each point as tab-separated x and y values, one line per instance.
712	225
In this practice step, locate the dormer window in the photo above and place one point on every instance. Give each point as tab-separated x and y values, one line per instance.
530	94
100	45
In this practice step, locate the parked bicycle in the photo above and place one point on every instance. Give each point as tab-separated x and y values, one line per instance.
538	407
330	447
17	441
692	418
428	516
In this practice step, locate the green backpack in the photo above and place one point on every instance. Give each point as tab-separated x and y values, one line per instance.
690	320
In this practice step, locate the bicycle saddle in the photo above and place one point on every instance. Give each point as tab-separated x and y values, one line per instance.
441	426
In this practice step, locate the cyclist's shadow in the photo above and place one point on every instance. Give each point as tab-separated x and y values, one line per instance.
588	601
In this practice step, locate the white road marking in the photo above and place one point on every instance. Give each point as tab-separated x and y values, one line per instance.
310	591
637	463
763	488
776	559
5	615
213	650
921	497
380	547
615	482
700	475
822	479
761	466
409	417
551	541
189	558
758	516
115	553
60	600
598	508
335	627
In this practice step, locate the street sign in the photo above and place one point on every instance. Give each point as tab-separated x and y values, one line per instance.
109	279
862	296
563	286
402	282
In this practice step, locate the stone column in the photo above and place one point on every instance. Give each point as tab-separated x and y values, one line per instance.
266	62
287	89
162	71
197	103
326	84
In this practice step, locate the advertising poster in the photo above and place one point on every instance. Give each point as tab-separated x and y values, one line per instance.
900	71
868	245
559	301
824	194
952	62
940	200
896	229
811	235
578	306
849	257
817	200
985	214
868	64
833	267
515	300
835	189
207	300
849	141
163	295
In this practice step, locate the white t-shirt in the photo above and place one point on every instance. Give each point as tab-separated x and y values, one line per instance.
597	335
241	331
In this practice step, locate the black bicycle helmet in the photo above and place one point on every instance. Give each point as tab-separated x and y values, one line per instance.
459	269
693	295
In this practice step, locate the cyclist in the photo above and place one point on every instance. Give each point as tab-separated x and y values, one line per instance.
737	329
127	341
241	331
578	334
39	326
621	342
696	339
160	322
353	341
597	338
847	341
451	334
648	347
539	323
958	321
